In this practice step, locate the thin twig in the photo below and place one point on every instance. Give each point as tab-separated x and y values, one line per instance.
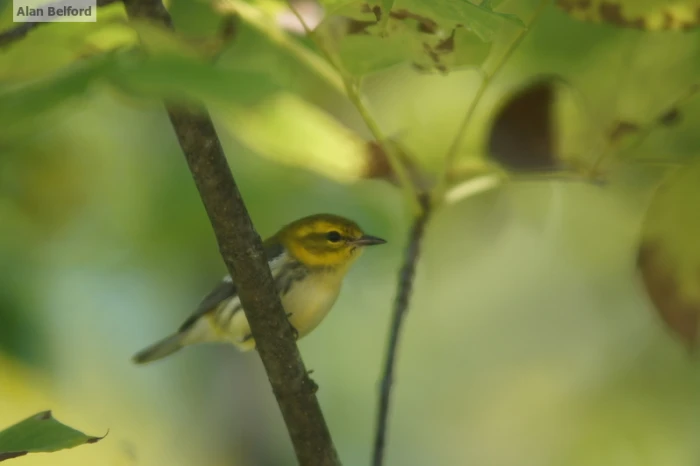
406	275
242	251
20	31
352	88
486	80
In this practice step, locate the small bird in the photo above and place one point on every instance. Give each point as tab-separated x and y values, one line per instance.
308	259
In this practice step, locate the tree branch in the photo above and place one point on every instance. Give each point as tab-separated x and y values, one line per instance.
406	275
242	251
20	31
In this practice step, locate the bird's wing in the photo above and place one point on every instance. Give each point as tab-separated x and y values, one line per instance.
227	289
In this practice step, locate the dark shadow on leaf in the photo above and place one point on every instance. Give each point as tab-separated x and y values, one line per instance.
523	135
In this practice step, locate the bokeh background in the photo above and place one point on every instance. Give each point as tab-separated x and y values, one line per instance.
529	342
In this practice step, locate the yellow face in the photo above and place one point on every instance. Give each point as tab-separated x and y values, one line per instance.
326	240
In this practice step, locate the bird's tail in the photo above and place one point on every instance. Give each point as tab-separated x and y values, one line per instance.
198	331
160	349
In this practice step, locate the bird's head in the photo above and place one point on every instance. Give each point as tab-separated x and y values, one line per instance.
325	240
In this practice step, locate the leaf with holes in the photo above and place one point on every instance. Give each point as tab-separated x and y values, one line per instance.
435	35
40	433
652	15
669	252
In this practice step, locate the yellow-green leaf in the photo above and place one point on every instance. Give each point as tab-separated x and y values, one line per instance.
652	15
40	433
268	26
669	252
304	136
434	35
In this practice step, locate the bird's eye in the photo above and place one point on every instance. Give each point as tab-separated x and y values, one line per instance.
333	236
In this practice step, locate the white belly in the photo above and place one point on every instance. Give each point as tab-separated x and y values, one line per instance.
308	301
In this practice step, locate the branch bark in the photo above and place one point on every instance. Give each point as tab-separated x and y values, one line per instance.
403	296
242	252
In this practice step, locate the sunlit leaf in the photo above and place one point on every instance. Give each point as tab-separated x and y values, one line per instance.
669	253
40	433
54	46
653	15
435	35
305	136
308	137
269	27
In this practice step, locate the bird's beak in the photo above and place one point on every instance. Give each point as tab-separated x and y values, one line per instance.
368	240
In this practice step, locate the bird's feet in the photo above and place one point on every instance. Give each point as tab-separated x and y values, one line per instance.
312	385
295	332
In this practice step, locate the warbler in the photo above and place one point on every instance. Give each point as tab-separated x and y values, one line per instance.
308	258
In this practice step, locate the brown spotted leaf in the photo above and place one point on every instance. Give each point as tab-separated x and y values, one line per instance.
40	433
669	253
652	15
433	35
625	132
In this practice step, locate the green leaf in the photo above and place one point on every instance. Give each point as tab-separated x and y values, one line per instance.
386	5
40	433
652	15
268	26
177	78
669	252
433	35
305	136
182	79
488	5
25	102
362	54
55	46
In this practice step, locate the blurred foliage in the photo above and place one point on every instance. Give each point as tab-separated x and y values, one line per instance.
651	15
432	35
529	323
40	433
669	256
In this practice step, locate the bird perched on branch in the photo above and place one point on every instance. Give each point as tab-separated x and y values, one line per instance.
308	259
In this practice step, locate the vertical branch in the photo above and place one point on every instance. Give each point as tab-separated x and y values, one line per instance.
403	296
242	251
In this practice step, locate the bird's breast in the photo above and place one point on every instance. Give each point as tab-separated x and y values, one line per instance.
309	301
